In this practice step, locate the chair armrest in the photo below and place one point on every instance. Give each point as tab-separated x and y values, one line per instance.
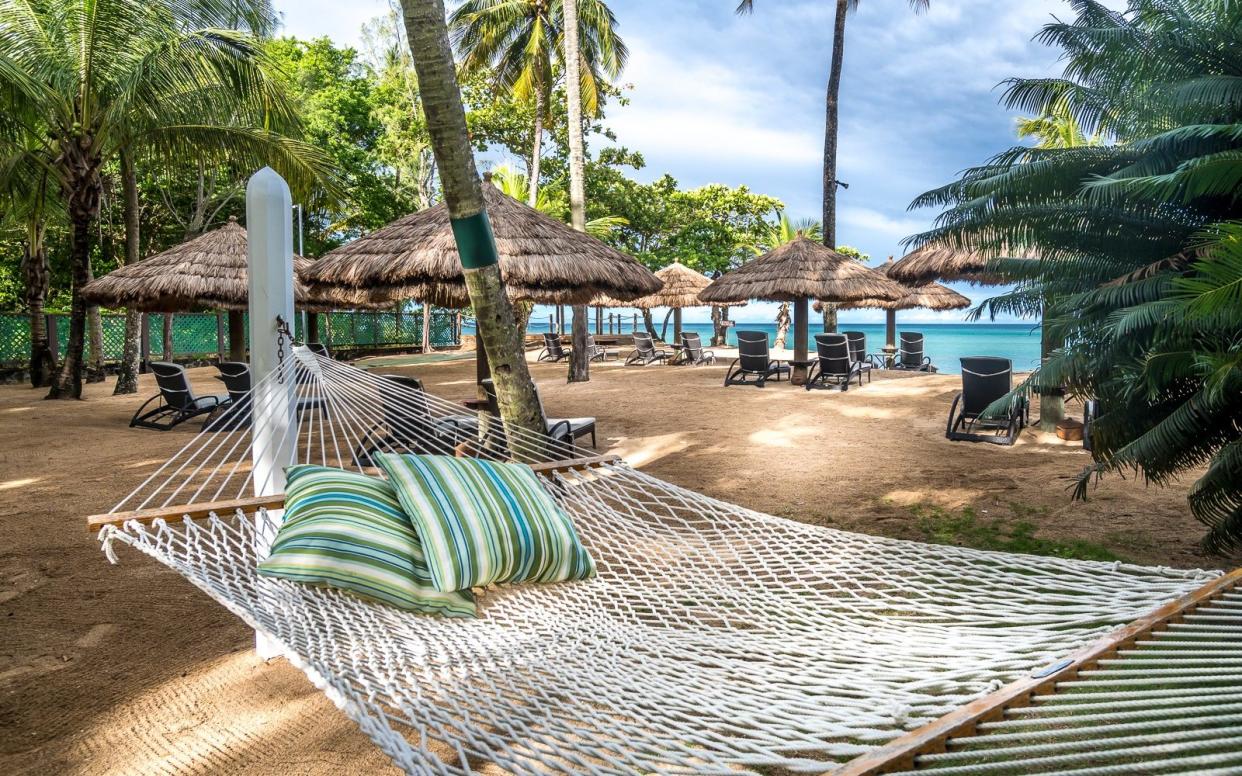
552	430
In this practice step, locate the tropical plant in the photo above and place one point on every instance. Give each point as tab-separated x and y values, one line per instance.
832	127
786	230
1146	311
98	76
517	185
522	41
463	195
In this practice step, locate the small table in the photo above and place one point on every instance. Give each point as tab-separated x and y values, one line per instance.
798	369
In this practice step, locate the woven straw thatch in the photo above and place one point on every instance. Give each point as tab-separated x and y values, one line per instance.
208	271
931	296
802	269
541	259
681	289
936	261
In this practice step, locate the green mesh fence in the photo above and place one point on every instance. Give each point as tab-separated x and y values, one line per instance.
197	335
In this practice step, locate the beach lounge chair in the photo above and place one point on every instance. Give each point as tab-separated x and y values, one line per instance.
986	380
754	364
409	425
692	351
553	350
645	351
835	365
176	401
857	342
910	353
234	412
564	431
598	352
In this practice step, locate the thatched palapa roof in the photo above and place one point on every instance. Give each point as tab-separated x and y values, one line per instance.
931	296
541	259
207	271
802	269
937	261
681	289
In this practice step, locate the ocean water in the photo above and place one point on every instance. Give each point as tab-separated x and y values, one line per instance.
944	342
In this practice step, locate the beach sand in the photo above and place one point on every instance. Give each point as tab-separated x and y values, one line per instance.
129	669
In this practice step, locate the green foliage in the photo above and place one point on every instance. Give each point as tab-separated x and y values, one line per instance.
964	528
1144	301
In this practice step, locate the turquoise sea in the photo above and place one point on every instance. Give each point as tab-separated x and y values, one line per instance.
945	342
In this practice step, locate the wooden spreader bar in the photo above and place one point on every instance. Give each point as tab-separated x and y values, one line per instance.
900	754
204	509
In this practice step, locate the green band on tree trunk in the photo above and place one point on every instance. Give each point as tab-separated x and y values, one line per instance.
475	242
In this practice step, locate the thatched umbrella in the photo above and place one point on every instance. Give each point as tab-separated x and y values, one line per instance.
798	271
930	296
542	260
207	271
681	289
937	261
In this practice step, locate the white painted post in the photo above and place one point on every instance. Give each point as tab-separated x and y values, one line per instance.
269	230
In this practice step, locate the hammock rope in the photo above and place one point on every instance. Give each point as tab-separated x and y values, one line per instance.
714	639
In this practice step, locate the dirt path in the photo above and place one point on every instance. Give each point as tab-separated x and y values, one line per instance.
129	669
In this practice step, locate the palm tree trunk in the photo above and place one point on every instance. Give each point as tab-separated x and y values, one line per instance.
782	325
446	123
580	361
168	337
1051	400
34	265
536	152
127	374
68	382
95	364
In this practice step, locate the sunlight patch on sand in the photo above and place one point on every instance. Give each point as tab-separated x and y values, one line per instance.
789	432
10	484
19	409
876	413
146	462
644	450
942	497
910	387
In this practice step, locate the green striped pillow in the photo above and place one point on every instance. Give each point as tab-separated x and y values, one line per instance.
346	530
481	522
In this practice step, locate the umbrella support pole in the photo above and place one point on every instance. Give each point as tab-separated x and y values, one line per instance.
798	369
237	336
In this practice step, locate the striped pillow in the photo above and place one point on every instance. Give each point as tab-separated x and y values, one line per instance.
482	522
346	530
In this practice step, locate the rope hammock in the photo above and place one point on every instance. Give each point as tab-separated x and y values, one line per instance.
714	639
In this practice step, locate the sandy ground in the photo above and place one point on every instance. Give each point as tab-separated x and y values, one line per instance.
129	669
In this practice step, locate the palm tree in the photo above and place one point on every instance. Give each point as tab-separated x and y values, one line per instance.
1144	301
520	40
517	185
100	76
463	194
579	360
830	183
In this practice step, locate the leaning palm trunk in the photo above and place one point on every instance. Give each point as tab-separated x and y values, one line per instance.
446	124
782	325
536	147
580	361
127	373
83	191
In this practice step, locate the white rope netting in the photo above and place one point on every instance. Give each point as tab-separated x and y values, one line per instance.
714	638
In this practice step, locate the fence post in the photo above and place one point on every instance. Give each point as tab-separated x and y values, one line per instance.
53	337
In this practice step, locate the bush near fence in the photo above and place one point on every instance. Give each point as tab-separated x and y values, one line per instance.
202	335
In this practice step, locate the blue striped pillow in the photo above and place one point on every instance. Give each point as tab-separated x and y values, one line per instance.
481	522
347	530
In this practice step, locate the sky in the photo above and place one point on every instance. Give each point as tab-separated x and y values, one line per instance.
719	98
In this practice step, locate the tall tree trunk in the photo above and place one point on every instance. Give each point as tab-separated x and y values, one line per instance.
426	343
95	363
68	382
1051	400
580	360
830	317
446	123
167	345
127	374
649	324
536	145
35	269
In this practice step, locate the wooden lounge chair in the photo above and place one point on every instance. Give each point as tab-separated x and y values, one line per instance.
910	353
409	425
553	350
985	381
645	351
235	411
692	351
835	366
857	341
176	401
754	364
564	431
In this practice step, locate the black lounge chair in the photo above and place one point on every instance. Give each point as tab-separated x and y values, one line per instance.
553	350
754	364
176	402
598	352
835	365
985	381
910	353
692	351
563	431
235	411
645	351
857	341
409	424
